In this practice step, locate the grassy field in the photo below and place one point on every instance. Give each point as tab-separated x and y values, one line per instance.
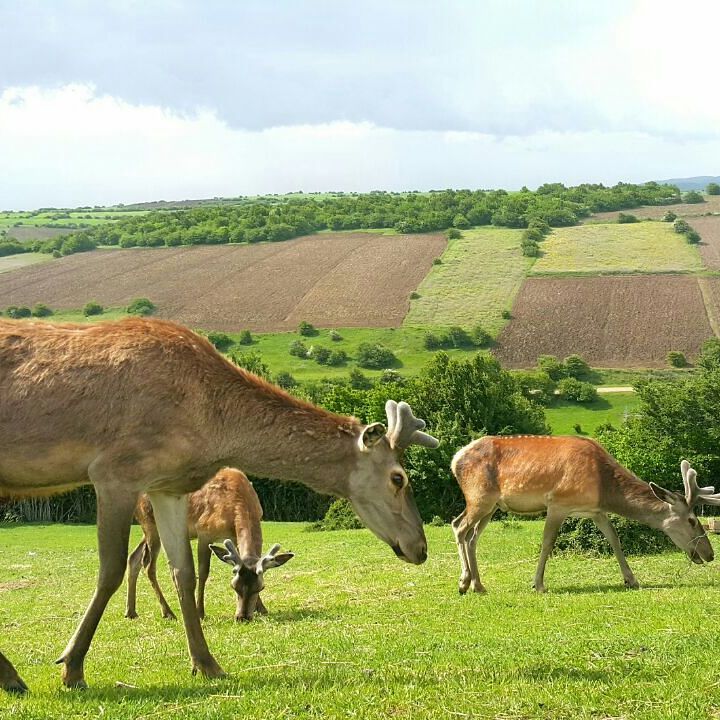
608	408
608	248
352	632
13	262
478	278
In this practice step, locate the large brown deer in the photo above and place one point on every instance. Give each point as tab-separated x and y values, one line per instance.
226	507
567	476
149	406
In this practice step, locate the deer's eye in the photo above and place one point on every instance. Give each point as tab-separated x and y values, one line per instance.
397	479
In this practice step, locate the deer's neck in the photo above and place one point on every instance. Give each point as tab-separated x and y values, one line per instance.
632	498
268	433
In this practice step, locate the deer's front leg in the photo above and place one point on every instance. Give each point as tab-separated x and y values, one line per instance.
603	522
171	518
553	522
115	508
204	555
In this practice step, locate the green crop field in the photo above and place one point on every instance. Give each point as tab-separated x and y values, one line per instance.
614	248
353	632
478	278
608	408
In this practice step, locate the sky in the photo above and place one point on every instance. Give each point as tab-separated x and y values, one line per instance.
130	101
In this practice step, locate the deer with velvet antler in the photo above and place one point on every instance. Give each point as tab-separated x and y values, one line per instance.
147	406
568	476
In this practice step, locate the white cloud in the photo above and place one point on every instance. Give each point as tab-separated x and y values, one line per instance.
72	146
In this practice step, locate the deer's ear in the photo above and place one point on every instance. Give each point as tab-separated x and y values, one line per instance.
276	560
665	495
371	435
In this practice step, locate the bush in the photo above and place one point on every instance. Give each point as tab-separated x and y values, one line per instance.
285	380
461	222
375	356
532	235
576	367
624	218
552	366
436	521
540	225
680	226
453	234
220	340
437	261
391	377
339	516
578	429
12	247
56	254
713	189
320	355
335	336
337	357
506	315
693	236
16	312
677	359
536	385
140	306
245	338
307	329
530	248
582	535
298	349
414	295
576	390
93	308
40	310
358	380
252	362
693	196
431	341
480	337
669	216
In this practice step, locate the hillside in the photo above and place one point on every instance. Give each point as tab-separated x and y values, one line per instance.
698	182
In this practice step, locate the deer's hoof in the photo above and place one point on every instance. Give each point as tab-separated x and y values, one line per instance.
539	588
632	584
131	615
208	668
479	588
15	686
169	615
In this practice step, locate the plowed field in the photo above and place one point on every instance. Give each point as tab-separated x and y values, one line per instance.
330	280
709	229
630	321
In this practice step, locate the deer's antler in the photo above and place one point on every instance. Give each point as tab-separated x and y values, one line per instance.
404	429
694	494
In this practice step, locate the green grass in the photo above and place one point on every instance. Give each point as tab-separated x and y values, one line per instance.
13	262
352	632
478	278
608	408
637	247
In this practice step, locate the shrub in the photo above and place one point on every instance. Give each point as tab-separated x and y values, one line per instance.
552	366
436	521
391	377
578	429
321	355
16	312
335	336
337	357
669	216
12	247
56	254
582	535
414	295
693	196
40	310
480	337
339	516
536	385
693	236
298	349
245	338
576	367
506	315
140	306
624	218
252	362
576	390
93	308
431	341
713	189
540	225
285	380
680	226
220	340
453	234
459	338
677	359
437	261
532	235
461	222
307	329
375	356
358	380
530	248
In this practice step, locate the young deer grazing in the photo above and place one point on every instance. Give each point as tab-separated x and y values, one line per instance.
567	476
227	506
147	406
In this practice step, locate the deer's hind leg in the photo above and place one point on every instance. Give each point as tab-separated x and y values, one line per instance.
134	565
467	528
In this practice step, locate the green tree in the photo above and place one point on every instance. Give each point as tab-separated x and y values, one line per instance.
713	189
693	196
93	308
140	306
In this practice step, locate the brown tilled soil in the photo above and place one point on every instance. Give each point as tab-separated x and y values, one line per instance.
30	232
709	229
655	212
330	280
630	321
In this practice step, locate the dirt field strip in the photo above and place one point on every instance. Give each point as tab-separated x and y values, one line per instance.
709	229
330	280
619	321
655	212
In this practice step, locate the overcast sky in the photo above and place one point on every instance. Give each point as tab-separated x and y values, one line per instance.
105	102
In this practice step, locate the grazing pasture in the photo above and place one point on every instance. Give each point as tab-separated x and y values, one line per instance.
655	212
612	408
636	247
611	321
330	280
352	632
478	278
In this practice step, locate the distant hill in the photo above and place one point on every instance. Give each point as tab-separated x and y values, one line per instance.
699	182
